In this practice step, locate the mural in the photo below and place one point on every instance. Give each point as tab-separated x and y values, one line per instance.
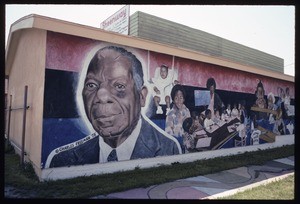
105	102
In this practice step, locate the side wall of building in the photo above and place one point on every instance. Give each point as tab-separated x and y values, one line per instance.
28	69
71	138
65	133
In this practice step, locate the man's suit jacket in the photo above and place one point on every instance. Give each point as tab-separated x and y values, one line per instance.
150	143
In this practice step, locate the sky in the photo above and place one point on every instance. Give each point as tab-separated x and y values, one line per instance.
270	29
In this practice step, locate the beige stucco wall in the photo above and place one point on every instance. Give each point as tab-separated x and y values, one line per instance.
28	68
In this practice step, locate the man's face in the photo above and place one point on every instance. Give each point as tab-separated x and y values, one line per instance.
163	72
111	101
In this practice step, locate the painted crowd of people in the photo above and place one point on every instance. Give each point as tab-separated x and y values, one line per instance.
189	128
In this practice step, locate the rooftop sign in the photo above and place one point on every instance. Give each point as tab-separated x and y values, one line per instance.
118	22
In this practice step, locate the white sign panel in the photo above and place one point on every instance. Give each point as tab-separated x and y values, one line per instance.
118	22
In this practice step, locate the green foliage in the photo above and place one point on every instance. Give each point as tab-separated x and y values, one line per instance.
9	149
278	190
18	175
28	171
86	187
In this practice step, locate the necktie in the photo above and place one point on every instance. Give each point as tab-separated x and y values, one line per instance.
112	156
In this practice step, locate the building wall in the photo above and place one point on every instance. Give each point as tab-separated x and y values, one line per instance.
53	60
66	128
161	30
28	68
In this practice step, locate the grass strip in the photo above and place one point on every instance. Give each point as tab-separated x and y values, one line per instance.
277	190
85	187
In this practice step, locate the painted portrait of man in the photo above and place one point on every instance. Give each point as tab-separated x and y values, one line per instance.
113	94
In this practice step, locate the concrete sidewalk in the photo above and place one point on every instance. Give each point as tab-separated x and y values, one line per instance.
212	186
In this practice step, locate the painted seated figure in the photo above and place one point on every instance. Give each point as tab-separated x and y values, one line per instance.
163	81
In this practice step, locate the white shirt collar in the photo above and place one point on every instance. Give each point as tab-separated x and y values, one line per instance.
125	150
